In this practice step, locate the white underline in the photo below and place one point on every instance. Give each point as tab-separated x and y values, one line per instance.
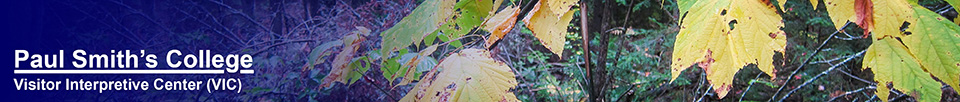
212	71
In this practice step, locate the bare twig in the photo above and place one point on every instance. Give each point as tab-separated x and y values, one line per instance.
748	88
806	61
944	9
629	91
819	75
387	93
831	60
858	78
851	92
894	99
849	37
704	94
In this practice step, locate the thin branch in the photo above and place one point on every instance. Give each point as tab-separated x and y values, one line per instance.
370	82
858	78
894	99
831	60
704	94
944	9
849	37
872	97
827	61
806	61
819	75
748	88
629	91
851	92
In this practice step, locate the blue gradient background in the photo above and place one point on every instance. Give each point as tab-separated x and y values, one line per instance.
45	26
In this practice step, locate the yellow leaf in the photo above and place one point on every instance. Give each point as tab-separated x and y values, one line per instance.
471	75
548	27
560	7
840	12
815	3
723	36
500	24
782	2
888	15
341	63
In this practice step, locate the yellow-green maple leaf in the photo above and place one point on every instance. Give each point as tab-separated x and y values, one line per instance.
444	19
469	14
929	39
723	36
891	63
550	26
910	44
424	20
935	42
471	75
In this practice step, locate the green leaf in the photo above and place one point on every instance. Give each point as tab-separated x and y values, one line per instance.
469	14
359	66
443	19
424	20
